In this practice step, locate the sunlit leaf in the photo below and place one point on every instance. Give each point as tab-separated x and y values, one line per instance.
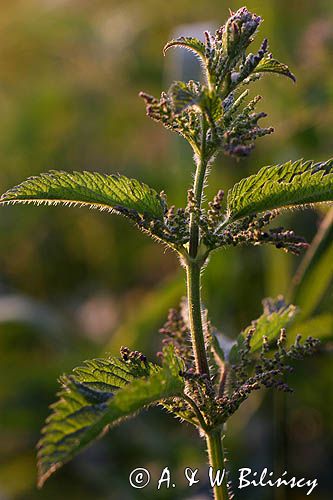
277	314
270	65
192	44
104	192
98	395
291	184
320	327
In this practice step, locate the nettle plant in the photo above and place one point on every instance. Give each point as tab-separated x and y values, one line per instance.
197	380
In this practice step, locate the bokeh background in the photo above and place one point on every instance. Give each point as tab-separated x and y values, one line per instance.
75	283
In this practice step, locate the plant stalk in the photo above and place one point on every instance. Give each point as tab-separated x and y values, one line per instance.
198	186
195	317
193	266
193	275
194	227
216	460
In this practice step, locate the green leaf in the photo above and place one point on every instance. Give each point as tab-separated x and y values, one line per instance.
320	327
277	314
270	65
104	192
185	95
192	44
281	186
98	395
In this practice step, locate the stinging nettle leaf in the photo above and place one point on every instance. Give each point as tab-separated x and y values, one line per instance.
98	395
104	192
277	314
281	186
185	95
320	325
270	65
190	43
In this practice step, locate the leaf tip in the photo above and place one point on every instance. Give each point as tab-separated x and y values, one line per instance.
44	474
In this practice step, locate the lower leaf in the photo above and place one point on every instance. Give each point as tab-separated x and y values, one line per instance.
98	395
277	314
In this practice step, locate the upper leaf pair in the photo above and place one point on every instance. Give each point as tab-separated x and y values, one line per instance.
288	185
292	184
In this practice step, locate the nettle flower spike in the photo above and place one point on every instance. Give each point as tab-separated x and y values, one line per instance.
212	112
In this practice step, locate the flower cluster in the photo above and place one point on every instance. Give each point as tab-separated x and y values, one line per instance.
212	113
266	370
174	227
217	396
132	356
176	332
250	230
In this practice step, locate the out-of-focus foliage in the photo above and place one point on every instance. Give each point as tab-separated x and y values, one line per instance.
70	72
315	272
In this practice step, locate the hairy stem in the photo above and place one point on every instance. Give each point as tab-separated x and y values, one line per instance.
193	275
195	317
216	460
193	266
198	186
197	412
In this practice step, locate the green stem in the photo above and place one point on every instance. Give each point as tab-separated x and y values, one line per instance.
193	275
198	191
216	460
197	412
193	266
195	318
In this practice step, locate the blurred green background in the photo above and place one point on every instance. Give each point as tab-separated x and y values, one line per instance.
76	283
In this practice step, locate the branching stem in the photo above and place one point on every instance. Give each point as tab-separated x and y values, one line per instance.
193	274
193	265
198	413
